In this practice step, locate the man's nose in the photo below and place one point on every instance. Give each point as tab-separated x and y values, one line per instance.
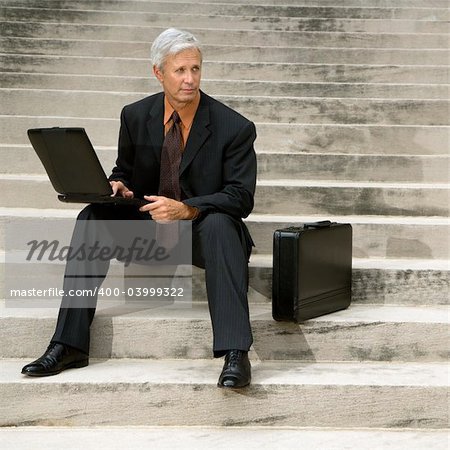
188	77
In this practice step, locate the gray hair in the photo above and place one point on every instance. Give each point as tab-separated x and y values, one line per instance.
171	42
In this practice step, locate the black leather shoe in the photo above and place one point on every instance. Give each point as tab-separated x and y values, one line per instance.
57	357
236	372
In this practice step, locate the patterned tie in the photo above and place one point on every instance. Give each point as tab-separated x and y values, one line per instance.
169	180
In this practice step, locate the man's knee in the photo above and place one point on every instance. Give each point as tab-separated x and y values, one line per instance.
219	224
220	230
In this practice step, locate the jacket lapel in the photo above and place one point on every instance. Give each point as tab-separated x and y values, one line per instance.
198	134
155	126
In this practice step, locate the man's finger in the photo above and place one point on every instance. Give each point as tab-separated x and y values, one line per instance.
113	187
153	198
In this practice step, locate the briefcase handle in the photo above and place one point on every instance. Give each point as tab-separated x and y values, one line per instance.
321	224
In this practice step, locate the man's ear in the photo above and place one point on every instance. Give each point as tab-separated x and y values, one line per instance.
158	74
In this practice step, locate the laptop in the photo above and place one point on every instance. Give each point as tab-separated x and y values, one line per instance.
73	166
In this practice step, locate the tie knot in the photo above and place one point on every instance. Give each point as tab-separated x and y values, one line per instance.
176	117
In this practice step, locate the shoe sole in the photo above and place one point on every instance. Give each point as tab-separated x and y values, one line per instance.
233	387
74	365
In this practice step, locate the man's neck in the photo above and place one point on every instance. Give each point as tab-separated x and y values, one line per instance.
179	106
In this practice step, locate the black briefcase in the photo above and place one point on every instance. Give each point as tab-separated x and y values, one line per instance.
312	270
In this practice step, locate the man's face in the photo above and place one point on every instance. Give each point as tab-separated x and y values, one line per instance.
180	77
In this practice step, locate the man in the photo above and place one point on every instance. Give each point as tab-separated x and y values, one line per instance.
213	187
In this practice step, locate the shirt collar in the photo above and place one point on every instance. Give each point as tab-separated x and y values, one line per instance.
186	114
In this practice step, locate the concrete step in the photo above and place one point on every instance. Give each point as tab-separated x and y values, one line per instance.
307	197
358	139
231	22
353	139
253	437
52	45
331	3
259	109
319	73
31	25
373	237
385	281
409	282
390	280
389	10
272	166
227	87
347	3
286	197
360	333
413	281
385	168
282	394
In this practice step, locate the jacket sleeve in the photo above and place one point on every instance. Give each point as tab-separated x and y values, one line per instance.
238	178
126	154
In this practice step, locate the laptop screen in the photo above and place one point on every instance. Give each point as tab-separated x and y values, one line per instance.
70	160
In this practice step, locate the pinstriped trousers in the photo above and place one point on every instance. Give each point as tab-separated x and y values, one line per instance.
220	244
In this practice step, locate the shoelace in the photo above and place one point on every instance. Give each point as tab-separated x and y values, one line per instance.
234	358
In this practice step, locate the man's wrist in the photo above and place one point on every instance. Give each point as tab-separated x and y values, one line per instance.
195	212
192	212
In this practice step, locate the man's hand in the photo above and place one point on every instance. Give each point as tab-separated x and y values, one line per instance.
120	190
164	210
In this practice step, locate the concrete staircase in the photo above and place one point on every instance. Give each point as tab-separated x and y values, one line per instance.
350	100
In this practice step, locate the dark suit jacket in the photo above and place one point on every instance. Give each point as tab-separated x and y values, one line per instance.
218	167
